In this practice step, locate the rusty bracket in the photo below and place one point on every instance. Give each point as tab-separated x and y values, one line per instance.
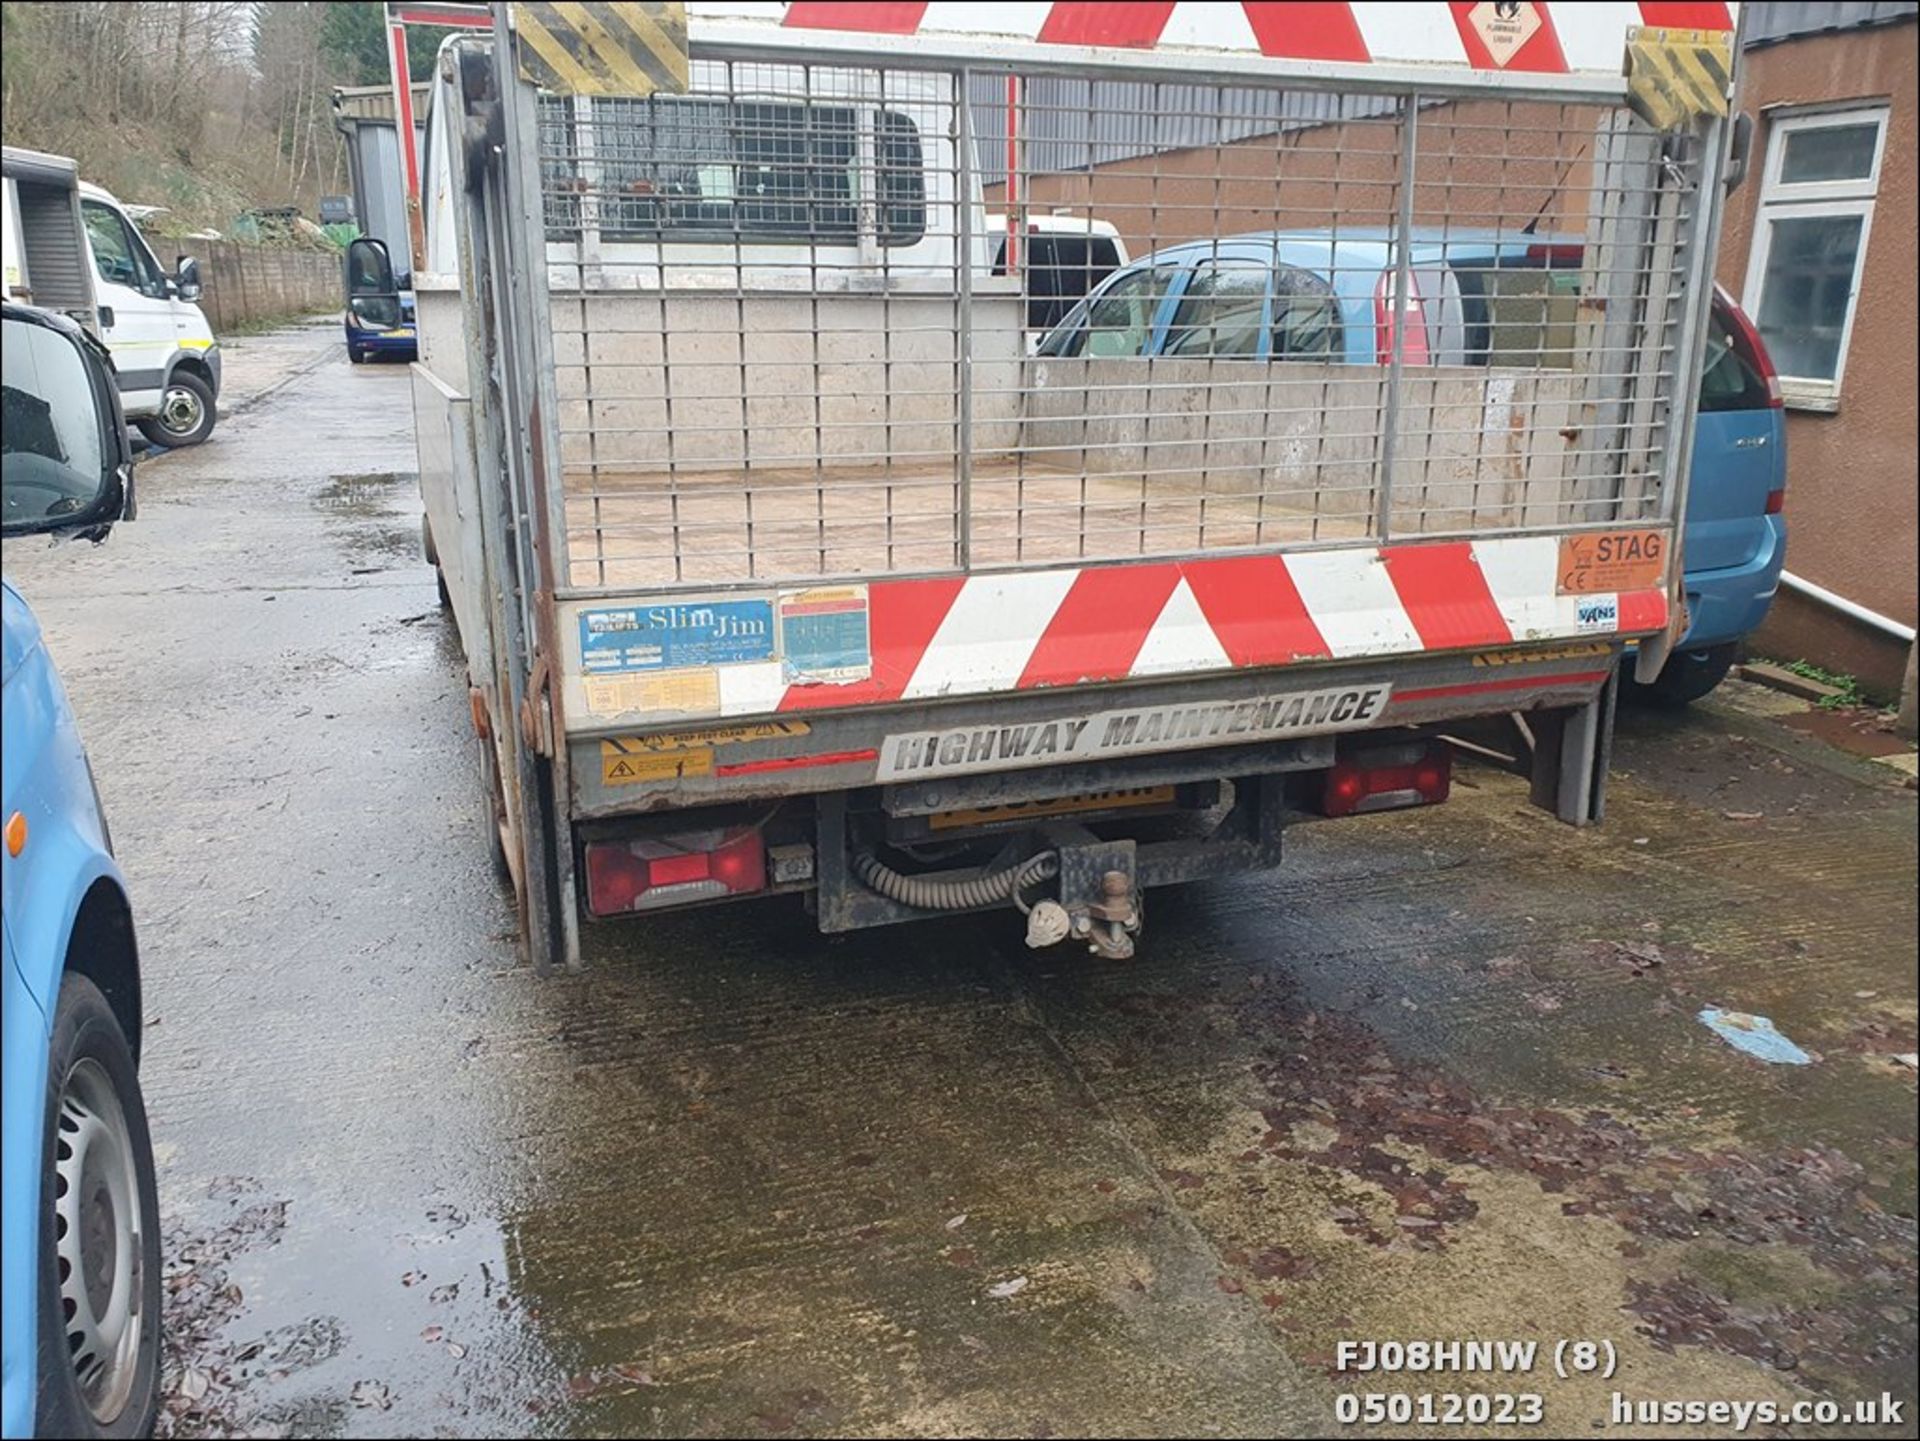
536	712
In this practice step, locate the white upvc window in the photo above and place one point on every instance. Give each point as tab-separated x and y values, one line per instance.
1810	243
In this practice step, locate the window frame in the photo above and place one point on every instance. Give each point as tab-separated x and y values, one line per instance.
148	278
1170	329
1817	199
881	189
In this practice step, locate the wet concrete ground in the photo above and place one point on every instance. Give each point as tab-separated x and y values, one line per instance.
1440	1077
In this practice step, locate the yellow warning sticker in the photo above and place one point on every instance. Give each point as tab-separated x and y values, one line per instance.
1533	657
621	766
719	735
695	692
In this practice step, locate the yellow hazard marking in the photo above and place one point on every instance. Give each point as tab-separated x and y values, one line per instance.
1675	76
1056	806
686	692
621	767
715	736
602	47
1611	560
1531	657
196	345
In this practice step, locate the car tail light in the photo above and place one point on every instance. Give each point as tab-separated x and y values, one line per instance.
1776	502
641	875
1388	779
1752	350
1413	350
1558	256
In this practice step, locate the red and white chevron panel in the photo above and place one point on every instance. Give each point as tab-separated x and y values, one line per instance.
987	634
1568	37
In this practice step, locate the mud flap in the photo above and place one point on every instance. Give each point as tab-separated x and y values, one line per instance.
1571	752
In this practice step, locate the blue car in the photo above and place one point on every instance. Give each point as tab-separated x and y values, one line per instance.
80	1228
1314	296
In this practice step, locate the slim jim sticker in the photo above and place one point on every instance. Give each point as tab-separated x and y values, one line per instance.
1611	560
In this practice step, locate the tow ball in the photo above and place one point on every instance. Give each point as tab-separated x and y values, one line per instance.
1098	901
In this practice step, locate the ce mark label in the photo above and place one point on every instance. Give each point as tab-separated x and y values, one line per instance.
1611	561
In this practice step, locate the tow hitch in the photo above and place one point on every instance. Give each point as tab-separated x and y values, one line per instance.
1099	902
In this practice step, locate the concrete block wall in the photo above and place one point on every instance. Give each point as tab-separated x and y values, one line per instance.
246	284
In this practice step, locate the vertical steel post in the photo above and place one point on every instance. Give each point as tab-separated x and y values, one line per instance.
963	340
1015	192
1689	355
535	405
1397	302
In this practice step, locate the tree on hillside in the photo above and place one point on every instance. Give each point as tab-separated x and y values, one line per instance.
355	36
205	107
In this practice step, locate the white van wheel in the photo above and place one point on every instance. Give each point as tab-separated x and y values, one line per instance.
186	413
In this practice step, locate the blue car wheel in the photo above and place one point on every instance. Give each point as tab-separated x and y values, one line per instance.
99	1323
1686	677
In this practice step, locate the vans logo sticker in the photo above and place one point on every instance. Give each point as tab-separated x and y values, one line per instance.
1598	613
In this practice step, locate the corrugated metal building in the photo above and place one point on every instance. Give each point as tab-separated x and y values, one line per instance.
363	114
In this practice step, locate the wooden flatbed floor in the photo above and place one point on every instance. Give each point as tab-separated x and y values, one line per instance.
632	530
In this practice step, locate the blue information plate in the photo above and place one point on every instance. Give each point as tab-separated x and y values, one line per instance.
670	636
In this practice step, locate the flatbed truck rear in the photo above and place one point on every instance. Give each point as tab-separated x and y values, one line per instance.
781	565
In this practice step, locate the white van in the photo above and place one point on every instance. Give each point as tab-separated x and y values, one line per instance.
163	348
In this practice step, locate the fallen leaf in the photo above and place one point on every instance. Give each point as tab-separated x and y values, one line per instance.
456	1350
413	1278
1008	1289
194	1384
431	1334
371	1394
954	1223
1744	815
440	1295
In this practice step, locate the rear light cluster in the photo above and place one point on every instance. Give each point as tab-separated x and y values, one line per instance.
1388	778
1744	336
1412	310
626	876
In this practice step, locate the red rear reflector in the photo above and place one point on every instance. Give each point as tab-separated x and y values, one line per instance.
1389	779
661	871
1776	502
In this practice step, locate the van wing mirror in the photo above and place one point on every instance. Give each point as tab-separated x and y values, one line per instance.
66	466
369	268
186	278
